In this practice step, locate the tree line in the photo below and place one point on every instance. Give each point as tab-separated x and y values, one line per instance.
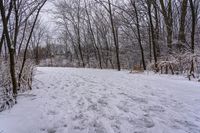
158	34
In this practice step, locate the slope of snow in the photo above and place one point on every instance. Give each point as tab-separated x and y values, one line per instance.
70	100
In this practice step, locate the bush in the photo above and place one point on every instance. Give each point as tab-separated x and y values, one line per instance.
6	93
178	64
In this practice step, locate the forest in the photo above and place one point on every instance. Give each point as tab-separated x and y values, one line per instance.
155	36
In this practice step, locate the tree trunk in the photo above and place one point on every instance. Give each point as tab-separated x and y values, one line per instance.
79	38
27	44
139	36
157	29
150	43
93	38
181	36
194	18
167	14
1	42
10	46
114	32
152	35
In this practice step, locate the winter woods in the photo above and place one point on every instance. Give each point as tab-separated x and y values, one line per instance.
158	35
17	25
155	34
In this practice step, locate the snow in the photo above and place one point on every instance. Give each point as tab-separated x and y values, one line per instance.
76	100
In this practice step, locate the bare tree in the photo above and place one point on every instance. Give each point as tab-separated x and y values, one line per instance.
194	5
9	42
14	21
167	14
181	36
149	5
93	36
138	32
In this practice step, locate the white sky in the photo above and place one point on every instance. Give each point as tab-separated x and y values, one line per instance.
47	16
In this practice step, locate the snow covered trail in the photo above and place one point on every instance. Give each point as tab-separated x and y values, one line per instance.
72	100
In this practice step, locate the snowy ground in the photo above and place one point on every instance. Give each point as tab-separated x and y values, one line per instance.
69	100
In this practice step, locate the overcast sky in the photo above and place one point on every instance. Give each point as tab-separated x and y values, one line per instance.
47	16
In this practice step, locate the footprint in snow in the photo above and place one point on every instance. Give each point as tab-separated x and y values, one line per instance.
62	88
116	128
188	125
102	102
51	130
156	108
147	87
93	107
134	98
53	97
97	127
142	122
78	127
48	130
52	112
89	100
81	102
52	84
66	85
123	108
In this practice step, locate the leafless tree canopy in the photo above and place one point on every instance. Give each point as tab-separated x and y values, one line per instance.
155	34
18	21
